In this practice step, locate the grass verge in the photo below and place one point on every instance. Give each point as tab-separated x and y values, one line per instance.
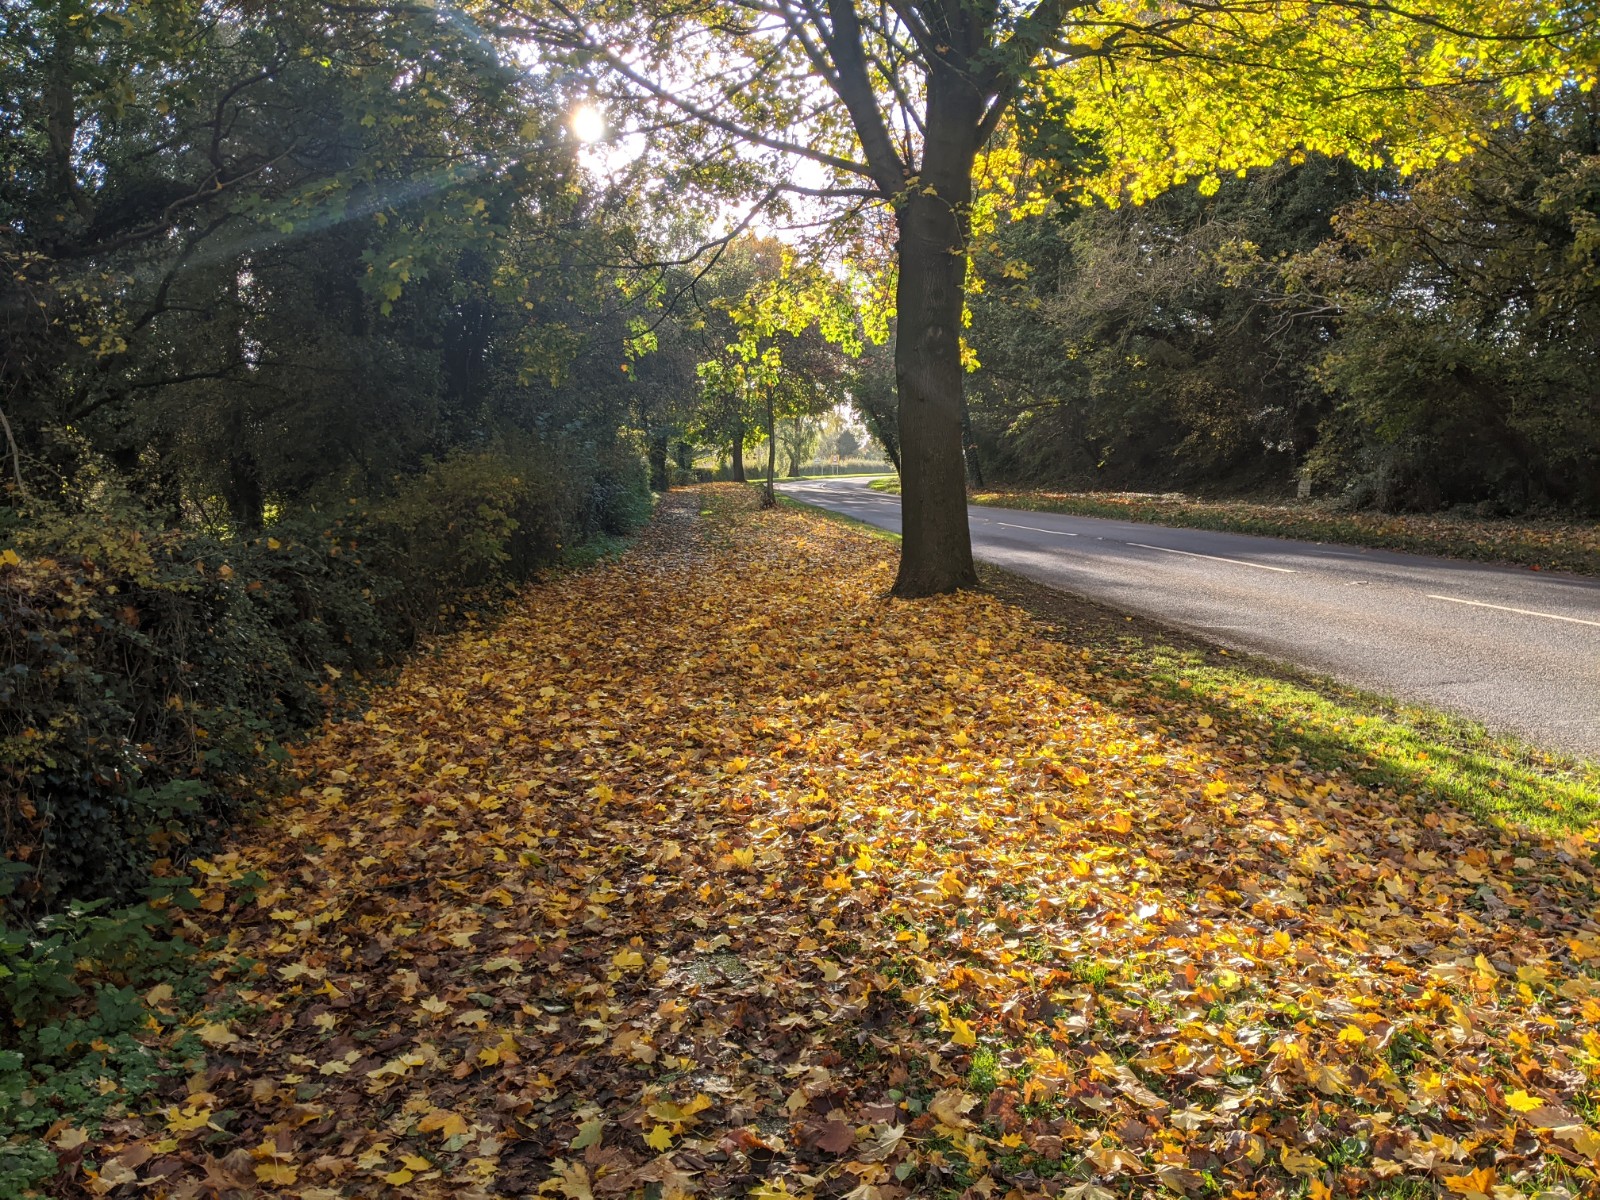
1413	748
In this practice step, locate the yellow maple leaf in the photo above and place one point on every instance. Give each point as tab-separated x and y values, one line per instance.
659	1138
442	1120
277	1172
1520	1101
1472	1185
70	1138
189	1119
1582	1139
1298	1164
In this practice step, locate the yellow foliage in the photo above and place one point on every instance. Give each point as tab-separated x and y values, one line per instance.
1175	972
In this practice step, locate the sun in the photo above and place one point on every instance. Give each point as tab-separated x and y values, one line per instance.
588	123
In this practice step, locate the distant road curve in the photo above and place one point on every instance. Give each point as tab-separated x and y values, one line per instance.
1518	650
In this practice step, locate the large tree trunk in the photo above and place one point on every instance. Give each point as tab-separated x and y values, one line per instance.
793	454
936	549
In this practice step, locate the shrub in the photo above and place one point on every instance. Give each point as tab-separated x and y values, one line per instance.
147	673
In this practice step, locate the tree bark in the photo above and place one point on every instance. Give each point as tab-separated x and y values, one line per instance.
769	497
659	482
14	455
247	502
738	447
969	446
794	454
936	547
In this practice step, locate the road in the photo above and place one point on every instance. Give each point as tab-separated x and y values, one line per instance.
1518	650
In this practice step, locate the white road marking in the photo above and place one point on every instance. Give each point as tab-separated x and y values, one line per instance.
1527	612
1238	562
1035	529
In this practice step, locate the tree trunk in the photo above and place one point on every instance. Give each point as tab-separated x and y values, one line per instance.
659	482
738	447
936	548
793	451
769	498
969	447
880	423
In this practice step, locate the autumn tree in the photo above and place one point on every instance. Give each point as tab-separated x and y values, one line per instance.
893	102
787	329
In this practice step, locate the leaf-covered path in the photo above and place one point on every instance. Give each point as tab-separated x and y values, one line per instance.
711	871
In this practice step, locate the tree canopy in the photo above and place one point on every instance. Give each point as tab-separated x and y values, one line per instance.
894	102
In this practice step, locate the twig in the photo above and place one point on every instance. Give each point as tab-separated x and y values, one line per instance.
14	454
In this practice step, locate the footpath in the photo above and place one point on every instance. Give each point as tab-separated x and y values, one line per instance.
712	871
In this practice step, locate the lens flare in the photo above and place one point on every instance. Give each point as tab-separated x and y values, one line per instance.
588	123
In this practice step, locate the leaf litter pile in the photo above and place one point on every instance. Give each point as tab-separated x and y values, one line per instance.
713	872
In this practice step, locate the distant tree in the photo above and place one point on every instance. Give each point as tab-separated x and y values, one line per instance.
1144	346
848	445
799	437
786	329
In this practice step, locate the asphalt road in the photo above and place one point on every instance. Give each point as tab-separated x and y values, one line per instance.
1518	650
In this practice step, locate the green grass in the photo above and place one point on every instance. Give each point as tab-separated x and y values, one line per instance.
984	1074
889	484
1414	749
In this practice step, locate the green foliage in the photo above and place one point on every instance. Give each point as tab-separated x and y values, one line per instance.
1470	327
80	992
1131	347
147	673
1412	344
259	261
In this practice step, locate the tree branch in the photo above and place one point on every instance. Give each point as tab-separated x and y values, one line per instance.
842	36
